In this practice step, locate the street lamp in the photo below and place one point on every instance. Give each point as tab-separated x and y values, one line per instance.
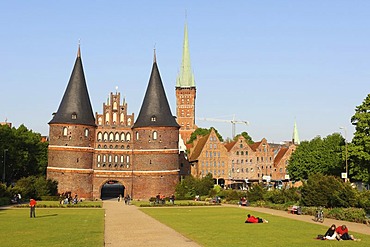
345	141
5	150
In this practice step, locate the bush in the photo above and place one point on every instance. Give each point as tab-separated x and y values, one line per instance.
348	214
256	193
189	187
231	195
283	196
35	187
327	191
4	201
50	198
364	200
3	191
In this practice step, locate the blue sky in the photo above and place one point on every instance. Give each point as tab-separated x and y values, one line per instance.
267	62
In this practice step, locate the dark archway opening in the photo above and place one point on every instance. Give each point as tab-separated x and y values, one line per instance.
112	189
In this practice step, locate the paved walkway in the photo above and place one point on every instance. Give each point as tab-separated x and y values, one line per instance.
128	226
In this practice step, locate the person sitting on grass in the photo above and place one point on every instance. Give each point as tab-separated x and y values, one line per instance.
330	233
342	234
252	219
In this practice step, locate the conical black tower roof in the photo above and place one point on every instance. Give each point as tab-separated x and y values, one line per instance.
155	110
75	107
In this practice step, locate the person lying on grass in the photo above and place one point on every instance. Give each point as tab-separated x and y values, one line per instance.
252	219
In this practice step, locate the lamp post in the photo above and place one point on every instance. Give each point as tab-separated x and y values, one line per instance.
345	141
5	150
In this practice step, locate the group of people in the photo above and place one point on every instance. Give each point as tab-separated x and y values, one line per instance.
66	198
161	199
338	233
127	199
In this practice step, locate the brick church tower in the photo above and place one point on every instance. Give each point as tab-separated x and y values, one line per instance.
71	134
156	140
185	93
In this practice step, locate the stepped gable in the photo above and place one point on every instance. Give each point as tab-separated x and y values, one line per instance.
75	107
155	110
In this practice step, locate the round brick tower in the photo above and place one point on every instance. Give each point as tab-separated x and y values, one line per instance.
71	133
156	140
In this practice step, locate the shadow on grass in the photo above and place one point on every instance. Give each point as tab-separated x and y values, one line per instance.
46	215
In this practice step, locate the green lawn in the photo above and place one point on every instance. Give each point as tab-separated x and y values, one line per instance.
224	226
52	227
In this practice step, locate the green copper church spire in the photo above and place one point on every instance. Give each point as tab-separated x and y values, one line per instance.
295	139
185	78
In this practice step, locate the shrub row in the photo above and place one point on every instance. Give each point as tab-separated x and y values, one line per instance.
78	205
182	204
4	201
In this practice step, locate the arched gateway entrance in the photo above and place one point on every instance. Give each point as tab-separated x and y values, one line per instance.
112	189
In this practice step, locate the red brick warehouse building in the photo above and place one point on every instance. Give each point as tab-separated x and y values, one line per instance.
86	154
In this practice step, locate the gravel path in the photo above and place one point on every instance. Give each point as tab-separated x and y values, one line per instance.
128	226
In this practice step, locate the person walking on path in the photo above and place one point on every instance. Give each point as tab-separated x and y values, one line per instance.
33	208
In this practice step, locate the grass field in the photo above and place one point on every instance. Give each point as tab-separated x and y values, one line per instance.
224	226
52	227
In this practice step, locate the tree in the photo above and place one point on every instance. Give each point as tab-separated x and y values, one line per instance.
203	132
247	137
359	149
189	187
26	154
317	156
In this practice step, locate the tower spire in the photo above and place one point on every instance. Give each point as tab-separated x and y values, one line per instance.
185	77
79	48
295	139
155	110
75	107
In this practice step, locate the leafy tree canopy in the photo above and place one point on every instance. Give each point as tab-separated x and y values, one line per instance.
26	155
317	156
203	132
359	149
247	137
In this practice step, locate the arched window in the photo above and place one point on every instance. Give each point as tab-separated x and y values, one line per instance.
86	132
100	136
123	137
155	135
137	135
114	117
127	159
128	137
107	117
117	137
122	118
100	121
99	157
114	106
122	159
111	136
65	131
110	158
104	158
116	158
129	122
105	138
